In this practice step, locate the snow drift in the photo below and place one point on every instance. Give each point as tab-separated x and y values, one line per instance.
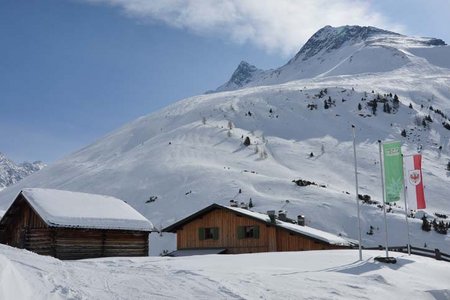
333	274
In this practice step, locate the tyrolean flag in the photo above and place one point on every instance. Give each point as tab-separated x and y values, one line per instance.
414	183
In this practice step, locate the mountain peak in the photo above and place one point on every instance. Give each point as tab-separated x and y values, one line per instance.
330	38
346	50
243	74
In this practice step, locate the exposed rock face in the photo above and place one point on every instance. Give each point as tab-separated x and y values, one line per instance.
10	172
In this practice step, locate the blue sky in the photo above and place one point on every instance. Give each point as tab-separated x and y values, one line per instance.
72	71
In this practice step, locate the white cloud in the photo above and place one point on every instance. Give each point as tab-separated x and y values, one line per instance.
274	25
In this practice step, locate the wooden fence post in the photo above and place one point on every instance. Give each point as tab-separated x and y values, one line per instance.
437	254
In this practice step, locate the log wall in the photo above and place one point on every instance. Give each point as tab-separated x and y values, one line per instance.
64	243
90	243
16	221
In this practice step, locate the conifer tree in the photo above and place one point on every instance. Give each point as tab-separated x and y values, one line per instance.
250	203
247	141
403	133
374	105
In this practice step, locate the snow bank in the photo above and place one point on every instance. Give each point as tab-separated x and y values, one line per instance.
333	274
12	284
72	209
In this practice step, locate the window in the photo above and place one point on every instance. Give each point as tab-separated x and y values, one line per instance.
208	233
248	232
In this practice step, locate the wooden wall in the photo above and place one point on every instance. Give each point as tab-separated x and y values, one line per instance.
23	228
271	238
287	241
90	243
66	243
16	221
228	222
39	240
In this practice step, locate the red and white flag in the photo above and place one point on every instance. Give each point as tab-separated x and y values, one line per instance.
414	183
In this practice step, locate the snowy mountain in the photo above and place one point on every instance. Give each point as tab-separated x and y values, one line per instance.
11	173
192	153
345	50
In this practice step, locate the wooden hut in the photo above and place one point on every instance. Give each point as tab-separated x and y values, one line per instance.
223	229
70	225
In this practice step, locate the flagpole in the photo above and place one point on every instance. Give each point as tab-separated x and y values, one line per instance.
406	210
356	188
407	223
384	202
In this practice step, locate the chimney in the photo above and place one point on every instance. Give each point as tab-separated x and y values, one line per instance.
271	214
282	215
301	220
233	203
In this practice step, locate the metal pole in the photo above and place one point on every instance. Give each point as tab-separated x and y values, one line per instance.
406	210
356	188
384	201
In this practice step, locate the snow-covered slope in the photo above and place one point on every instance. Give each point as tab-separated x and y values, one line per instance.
297	275
191	154
348	50
10	172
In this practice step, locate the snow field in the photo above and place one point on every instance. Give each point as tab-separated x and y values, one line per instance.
333	274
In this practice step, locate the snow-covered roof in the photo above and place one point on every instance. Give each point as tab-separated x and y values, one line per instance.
2	212
81	210
305	230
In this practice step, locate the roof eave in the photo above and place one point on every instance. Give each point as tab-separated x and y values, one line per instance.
174	227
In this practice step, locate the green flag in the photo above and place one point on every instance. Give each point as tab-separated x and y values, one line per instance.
393	171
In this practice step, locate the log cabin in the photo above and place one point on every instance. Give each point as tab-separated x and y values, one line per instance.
72	225
234	230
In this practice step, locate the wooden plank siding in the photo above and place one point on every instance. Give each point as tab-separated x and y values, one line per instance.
20	218
227	222
289	241
23	228
271	238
